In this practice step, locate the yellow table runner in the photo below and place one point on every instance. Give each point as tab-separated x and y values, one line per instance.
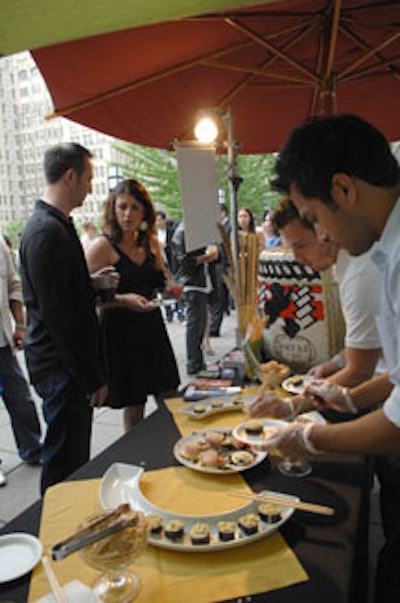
170	576
229	419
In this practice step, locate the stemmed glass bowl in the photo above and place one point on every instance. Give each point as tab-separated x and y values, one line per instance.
113	555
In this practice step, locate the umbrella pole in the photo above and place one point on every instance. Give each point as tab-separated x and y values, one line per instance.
234	182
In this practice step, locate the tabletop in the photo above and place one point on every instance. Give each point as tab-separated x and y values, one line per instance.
333	550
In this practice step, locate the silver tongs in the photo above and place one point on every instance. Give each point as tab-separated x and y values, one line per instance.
87	536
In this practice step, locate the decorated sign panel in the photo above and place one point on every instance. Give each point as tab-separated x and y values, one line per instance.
305	324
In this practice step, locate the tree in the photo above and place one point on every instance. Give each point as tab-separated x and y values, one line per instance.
158	170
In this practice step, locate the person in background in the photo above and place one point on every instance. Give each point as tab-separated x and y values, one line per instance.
165	230
13	386
341	175
194	273
61	338
359	290
225	219
268	229
245	220
137	353
88	235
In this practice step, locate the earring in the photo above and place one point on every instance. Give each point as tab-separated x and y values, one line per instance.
143	226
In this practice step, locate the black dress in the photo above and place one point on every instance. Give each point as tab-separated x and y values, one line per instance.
137	353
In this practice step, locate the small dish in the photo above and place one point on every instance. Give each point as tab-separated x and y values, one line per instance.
114	478
296	383
214	406
118	485
230	467
269	426
19	553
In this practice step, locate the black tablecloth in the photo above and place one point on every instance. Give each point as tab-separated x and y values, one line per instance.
333	550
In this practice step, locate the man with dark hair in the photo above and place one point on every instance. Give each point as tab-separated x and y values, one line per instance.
341	174
359	290
61	341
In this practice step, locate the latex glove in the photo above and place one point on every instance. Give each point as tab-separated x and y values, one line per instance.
293	442
269	405
330	394
323	370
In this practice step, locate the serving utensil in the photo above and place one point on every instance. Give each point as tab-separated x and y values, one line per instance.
285	500
87	535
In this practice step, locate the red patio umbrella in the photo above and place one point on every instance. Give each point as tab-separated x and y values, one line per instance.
274	65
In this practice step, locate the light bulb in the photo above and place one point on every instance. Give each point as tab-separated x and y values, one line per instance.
206	130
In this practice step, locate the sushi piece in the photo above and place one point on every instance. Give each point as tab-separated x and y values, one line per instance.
254	427
191	451
211	458
200	533
228	443
248	523
198	409
214	438
216	403
174	529
241	458
155	523
269	512
226	530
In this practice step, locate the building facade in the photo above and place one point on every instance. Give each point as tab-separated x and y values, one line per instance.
25	134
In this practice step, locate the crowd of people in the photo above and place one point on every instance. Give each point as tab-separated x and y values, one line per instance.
94	333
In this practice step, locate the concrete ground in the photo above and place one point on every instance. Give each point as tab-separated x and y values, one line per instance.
22	487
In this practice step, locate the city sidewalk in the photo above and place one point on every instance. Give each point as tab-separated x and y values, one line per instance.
22	487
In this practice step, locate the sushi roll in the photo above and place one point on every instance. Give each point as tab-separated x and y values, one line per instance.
254	427
248	523
269	512
200	533
174	529
155	523
198	409
226	530
242	458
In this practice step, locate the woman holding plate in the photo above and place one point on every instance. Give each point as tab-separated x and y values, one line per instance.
137	353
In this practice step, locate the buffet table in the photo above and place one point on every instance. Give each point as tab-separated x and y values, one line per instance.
332	549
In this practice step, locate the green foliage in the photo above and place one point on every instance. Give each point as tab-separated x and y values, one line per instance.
158	171
13	229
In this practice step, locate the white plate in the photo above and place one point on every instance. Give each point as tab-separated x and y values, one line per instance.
19	553
268	424
130	485
118	485
296	383
229	468
227	404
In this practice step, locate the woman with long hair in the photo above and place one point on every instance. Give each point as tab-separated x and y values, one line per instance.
137	353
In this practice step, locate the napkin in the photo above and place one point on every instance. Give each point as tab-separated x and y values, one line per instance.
166	575
75	592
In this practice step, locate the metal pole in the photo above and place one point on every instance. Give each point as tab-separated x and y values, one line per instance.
233	182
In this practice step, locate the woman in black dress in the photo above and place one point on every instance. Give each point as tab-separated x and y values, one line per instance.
137	353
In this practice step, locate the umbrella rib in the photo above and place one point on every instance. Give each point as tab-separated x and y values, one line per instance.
263	42
385	63
370	53
145	80
258	71
333	38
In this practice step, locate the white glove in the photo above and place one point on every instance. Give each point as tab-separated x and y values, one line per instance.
293	442
270	405
330	394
